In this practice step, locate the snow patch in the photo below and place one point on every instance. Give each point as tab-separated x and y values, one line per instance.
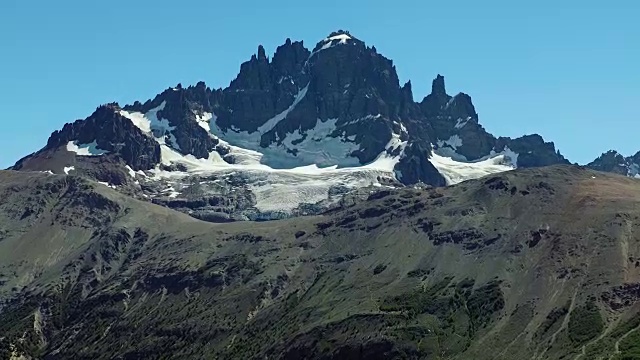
204	120
283	78
341	37
152	125
317	145
388	159
85	149
448	148
246	140
460	123
107	184
138	119
366	118
455	171
170	156
453	142
271	123
132	173
403	129
171	192
450	102
281	190
510	157
69	168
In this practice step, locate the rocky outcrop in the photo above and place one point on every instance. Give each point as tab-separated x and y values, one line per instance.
456	117
342	101
614	162
113	133
180	107
264	88
532	151
454	122
433	104
415	167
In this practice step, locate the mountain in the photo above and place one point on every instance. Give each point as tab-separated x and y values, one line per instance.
291	135
426	237
538	263
612	161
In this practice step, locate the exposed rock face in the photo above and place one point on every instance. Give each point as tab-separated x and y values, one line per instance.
532	151
612	161
113	133
263	88
433	104
456	116
342	84
455	126
415	167
339	105
180	107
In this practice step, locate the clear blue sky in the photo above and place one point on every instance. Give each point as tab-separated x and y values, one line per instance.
569	70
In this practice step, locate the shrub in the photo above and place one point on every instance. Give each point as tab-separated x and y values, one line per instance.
585	323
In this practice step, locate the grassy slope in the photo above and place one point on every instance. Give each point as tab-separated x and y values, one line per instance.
515	266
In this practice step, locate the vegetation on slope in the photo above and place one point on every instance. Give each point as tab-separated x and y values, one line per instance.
475	271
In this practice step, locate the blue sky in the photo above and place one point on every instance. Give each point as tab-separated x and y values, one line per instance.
566	70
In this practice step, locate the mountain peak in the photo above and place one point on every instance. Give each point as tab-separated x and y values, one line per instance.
340	33
340	37
262	55
437	86
340	105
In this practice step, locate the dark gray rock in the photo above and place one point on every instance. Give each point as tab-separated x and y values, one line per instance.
614	162
456	117
342	81
415	167
180	109
610	161
532	151
112	132
433	104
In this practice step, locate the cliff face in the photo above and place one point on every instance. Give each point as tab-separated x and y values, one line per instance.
317	122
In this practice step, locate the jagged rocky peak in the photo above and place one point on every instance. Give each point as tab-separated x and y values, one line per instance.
461	107
532	150
437	86
289	58
340	37
457	133
613	161
262	55
453	123
635	157
108	132
439	103
610	161
350	92
263	87
355	80
407	89
338	112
